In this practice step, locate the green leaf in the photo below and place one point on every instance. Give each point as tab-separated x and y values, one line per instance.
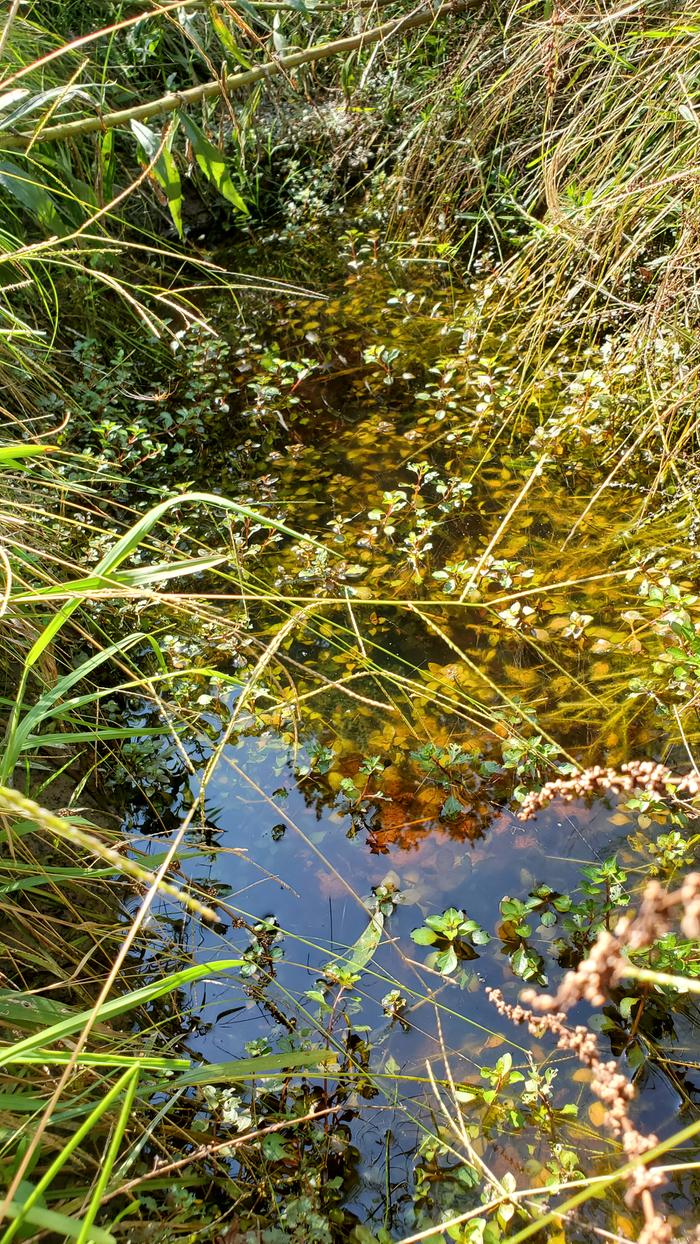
274	1148
227	38
164	169
480	937
59	1224
447	961
451	808
117	1006
360	953
45	707
157	572
112	559
212	163
60	1058
58	96
519	961
23	1010
424	936
10	454
33	196
34	1195
108	164
251	1068
439	923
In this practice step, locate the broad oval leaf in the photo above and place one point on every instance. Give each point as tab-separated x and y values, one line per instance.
447	961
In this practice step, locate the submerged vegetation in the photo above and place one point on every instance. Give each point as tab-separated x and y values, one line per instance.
349	582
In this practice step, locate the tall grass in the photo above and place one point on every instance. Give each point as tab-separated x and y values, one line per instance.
567	147
80	1089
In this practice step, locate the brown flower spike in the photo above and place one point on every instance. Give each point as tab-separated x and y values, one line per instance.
605	966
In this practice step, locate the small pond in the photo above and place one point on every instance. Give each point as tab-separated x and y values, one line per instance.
477	609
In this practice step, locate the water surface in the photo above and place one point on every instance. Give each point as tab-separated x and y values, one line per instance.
463	605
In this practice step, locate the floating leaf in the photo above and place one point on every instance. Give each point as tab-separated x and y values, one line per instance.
626	1006
360	953
451	808
447	961
528	965
597	1113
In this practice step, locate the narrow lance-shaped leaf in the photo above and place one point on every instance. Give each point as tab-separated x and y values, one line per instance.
128	1081
164	168
227	38
53	99
253	1068
109	1158
110	562
108	164
359	955
58	1224
212	163
116	1006
10	453
33	196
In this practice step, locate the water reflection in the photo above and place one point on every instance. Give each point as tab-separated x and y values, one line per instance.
447	629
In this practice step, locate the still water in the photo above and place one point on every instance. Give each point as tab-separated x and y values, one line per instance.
480	613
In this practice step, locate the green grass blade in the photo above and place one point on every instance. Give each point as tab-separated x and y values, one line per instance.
128	1079
117	1006
251	1068
110	1158
60	1224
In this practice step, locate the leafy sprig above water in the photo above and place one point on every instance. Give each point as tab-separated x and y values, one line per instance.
455	936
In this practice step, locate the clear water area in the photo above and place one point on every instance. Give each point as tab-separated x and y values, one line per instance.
289	842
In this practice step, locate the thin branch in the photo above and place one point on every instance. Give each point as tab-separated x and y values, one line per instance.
207	1151
235	82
